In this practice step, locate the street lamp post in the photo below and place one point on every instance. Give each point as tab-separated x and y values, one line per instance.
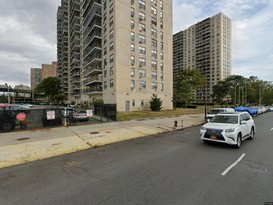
8	93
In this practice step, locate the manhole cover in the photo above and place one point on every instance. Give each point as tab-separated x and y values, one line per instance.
93	133
23	138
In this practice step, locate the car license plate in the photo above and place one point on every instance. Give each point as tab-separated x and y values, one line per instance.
213	137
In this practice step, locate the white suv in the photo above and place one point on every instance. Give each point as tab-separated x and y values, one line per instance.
230	128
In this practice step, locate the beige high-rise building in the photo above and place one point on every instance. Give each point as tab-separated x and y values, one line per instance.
49	70
207	47
125	52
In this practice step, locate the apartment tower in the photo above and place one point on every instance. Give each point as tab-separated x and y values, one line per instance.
35	77
125	52
207	47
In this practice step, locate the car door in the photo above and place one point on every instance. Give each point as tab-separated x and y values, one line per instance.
249	121
243	126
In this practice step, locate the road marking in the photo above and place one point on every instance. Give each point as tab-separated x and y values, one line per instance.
233	165
271	129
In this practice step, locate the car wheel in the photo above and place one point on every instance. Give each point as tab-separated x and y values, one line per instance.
252	134
239	141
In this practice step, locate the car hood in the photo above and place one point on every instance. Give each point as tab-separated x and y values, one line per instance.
219	126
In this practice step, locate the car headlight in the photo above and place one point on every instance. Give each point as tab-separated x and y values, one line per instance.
229	130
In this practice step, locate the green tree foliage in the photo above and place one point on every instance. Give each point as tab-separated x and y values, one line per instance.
244	91
155	104
222	92
50	87
185	83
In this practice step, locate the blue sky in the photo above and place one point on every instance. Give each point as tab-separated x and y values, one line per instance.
28	34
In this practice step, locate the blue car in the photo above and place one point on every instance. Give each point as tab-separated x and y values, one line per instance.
251	111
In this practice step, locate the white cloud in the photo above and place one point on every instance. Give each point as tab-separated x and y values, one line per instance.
252	31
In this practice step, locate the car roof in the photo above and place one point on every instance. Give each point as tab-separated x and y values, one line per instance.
231	113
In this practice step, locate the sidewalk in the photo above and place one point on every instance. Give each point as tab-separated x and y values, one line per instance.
25	146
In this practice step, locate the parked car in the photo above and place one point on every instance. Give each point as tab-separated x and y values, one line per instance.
229	128
215	111
81	115
251	111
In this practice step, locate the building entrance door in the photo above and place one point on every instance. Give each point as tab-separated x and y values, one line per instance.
127	106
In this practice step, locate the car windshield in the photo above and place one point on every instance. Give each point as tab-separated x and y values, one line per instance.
215	111
225	119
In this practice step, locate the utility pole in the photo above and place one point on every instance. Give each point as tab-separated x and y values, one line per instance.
8	93
260	95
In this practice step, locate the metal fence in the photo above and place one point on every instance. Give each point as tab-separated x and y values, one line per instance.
11	120
106	112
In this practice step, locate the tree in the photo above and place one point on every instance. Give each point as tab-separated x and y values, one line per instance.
185	83
50	87
221	91
155	104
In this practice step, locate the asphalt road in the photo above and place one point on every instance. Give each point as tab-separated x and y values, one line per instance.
173	168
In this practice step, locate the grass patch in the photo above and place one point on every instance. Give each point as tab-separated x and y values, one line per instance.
125	116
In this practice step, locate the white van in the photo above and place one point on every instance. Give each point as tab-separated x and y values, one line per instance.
215	111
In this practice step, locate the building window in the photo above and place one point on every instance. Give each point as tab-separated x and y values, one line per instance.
142	16
132	12
142	103
154	32
142	27
132	48
132	84
153	10
132	60
161	76
142	39
133	103
161	55
154	53
142	85
132	72
153	1
111	46
111	33
132	2
154	65
111	58
154	43
142	73
111	8
132	24
161	4
154	21
132	36
142	4
142	50
154	75
111	70
105	84
154	85
111	83
142	62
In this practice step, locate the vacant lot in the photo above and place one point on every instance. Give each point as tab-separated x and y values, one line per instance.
123	116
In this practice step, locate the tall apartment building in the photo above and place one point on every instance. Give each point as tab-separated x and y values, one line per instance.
49	70
62	46
125	51
35	77
207	47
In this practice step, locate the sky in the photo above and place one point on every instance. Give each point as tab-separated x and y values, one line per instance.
28	34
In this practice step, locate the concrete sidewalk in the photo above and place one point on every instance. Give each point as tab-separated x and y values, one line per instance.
25	146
